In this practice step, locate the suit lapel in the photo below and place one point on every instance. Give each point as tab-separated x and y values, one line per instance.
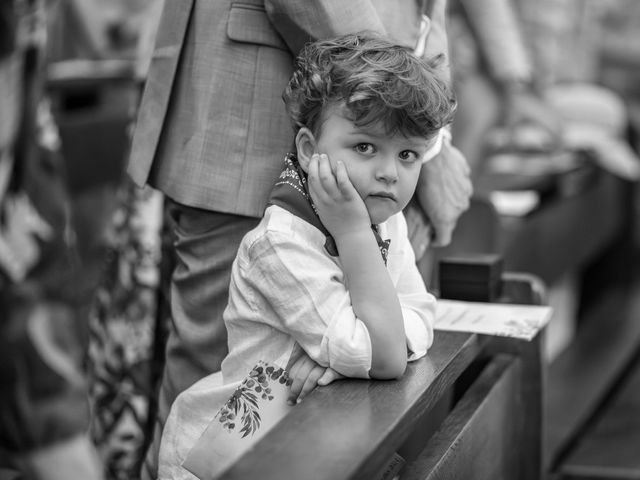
172	31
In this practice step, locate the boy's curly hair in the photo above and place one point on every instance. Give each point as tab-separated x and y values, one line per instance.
379	82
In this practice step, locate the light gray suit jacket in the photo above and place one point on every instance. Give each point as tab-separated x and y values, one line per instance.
212	130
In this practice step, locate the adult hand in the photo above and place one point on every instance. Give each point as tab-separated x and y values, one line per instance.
339	205
306	374
444	189
419	228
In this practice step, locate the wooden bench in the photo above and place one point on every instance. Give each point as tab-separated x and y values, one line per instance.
604	368
584	232
582	378
564	233
610	447
473	389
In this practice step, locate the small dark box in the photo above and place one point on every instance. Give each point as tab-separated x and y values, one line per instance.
474	278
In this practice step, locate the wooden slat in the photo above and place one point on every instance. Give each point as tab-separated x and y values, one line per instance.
583	375
479	440
532	390
349	430
612	448
566	233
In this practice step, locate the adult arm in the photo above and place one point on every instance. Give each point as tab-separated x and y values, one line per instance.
444	185
499	37
302	21
505	49
444	189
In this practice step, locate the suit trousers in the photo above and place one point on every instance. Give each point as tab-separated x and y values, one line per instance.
205	244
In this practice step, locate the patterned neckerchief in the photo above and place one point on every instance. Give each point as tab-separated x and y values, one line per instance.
291	192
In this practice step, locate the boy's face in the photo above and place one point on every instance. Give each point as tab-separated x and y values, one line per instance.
383	168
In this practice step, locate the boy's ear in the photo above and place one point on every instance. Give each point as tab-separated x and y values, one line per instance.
305	147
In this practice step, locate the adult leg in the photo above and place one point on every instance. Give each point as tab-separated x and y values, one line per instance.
205	245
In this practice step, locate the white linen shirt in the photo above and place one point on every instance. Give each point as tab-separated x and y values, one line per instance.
286	288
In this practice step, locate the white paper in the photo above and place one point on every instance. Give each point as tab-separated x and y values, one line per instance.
505	320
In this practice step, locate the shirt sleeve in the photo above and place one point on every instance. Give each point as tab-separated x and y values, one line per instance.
300	290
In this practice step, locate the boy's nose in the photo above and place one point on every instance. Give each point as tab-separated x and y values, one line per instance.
387	171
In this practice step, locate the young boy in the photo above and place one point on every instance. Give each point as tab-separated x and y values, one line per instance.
330	268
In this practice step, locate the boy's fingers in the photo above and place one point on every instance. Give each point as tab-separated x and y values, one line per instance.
297	370
327	178
328	377
343	181
315	187
313	168
295	389
311	382
298	374
296	354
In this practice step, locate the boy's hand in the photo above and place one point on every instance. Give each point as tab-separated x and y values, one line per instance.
306	374
339	205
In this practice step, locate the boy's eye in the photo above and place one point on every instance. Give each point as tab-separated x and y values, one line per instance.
408	156
364	148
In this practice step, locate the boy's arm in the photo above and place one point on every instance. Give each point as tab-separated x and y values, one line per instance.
306	374
373	295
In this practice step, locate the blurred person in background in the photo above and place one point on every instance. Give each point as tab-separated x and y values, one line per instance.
47	274
99	54
494	78
44	412
526	76
565	41
619	53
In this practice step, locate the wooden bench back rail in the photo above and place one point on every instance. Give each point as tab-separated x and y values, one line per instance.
352	428
479	439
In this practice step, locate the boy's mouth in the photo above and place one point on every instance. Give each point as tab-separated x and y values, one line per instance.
384	195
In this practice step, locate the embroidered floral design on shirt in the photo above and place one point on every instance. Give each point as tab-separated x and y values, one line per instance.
242	407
